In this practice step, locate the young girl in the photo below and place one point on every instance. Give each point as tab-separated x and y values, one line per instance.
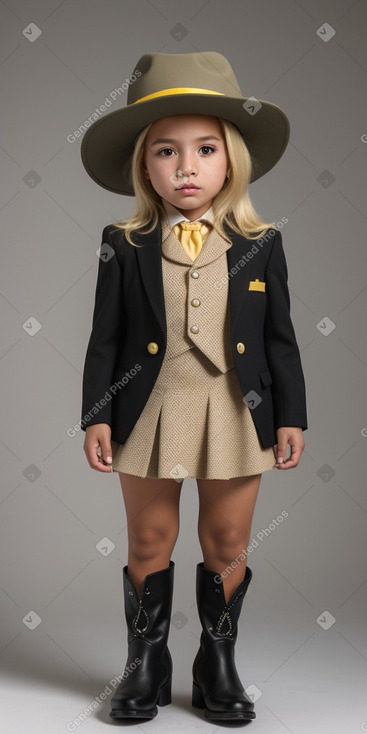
192	367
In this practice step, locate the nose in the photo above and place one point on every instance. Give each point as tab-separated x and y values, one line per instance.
188	164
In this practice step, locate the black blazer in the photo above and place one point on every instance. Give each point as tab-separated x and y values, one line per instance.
128	339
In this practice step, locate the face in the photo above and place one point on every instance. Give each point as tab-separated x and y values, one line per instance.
186	161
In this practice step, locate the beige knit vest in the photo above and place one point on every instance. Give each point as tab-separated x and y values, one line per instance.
198	289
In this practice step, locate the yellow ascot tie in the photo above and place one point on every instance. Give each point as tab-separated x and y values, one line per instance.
191	235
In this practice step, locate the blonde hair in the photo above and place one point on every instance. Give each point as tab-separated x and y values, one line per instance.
232	205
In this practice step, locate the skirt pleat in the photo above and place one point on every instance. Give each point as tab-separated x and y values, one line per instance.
194	424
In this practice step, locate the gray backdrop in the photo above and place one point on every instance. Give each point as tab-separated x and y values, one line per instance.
302	646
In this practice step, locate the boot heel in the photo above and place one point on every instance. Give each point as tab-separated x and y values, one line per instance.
197	697
165	692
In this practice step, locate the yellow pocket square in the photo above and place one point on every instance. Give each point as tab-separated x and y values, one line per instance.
257	285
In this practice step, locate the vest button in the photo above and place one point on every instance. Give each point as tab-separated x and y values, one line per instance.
195	329
152	348
195	302
194	274
240	348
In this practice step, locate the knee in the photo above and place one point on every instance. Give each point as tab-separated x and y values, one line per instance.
149	543
223	542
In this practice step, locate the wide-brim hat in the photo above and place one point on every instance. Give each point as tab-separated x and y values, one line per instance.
173	84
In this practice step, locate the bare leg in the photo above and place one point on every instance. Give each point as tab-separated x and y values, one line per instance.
224	525
152	511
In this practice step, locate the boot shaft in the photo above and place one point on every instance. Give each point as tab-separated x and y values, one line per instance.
218	617
150	615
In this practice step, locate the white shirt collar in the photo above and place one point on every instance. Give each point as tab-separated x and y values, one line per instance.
174	215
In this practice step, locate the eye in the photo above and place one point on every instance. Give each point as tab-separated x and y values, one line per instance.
164	150
207	148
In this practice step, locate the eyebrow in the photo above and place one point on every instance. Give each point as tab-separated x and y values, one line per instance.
172	140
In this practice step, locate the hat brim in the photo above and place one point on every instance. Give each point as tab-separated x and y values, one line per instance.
108	144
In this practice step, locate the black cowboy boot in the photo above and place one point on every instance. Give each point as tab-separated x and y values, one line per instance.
149	664
216	685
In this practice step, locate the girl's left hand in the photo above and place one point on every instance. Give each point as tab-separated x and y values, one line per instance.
292	435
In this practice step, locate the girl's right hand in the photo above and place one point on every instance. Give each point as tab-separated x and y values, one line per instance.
97	446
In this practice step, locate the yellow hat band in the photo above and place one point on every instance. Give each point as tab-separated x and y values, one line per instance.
177	90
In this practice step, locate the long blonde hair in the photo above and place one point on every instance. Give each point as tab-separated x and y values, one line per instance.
232	206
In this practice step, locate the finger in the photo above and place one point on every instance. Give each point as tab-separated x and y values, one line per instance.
293	459
106	452
281	452
95	460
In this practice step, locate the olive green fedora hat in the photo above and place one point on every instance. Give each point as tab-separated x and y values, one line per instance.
173	84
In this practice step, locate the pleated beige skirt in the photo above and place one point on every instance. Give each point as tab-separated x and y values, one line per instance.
194	424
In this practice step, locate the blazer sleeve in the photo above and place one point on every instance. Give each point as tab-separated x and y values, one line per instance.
281	348
105	339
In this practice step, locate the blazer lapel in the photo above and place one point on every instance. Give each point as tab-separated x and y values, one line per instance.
149	258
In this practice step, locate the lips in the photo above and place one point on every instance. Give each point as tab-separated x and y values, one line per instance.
187	186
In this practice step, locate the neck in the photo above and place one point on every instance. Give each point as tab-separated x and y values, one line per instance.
194	214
